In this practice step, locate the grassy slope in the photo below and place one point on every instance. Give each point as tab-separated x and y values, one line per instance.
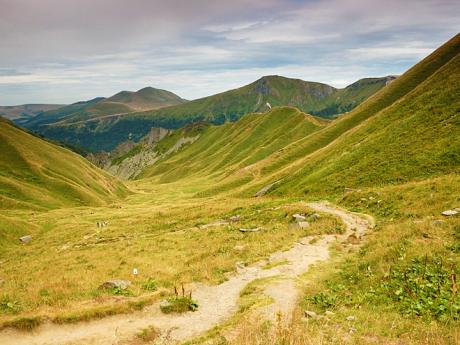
299	157
38	174
362	147
225	149
309	97
414	138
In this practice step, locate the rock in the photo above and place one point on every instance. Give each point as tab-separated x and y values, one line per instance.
298	217
239	247
450	213
329	313
264	190
311	314
25	239
352	330
351	318
303	225
236	218
250	230
165	305
353	239
117	283
438	222
315	216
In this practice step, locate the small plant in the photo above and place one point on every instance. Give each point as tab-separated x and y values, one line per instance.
425	287
325	300
148	334
150	285
179	304
7	305
118	291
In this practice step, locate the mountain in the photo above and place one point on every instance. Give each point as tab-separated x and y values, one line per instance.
407	130
57	115
24	112
120	103
106	132
40	175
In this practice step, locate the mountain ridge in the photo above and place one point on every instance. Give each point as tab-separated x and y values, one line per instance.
104	133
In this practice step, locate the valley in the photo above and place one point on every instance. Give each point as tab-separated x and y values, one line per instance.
329	216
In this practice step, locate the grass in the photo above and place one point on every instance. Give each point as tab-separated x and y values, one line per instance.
152	235
35	174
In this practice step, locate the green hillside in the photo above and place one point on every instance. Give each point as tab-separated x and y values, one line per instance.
225	149
37	174
120	103
105	133
392	137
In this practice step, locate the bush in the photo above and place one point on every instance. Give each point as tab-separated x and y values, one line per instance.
7	305
150	285
177	304
425	287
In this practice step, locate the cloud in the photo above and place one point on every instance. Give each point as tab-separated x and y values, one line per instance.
56	51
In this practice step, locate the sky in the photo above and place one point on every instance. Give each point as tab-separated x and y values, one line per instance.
63	51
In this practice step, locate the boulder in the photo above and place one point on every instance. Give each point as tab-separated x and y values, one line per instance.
438	222
450	213
25	239
298	217
351	318
303	225
315	216
310	314
353	239
116	283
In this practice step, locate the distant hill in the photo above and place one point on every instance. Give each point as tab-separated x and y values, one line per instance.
26	111
40	175
106	132
120	103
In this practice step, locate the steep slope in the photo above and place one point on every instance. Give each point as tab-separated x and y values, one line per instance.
37	174
409	129
26	111
105	133
414	138
226	149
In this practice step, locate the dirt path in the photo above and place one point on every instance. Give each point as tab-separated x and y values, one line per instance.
216	303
